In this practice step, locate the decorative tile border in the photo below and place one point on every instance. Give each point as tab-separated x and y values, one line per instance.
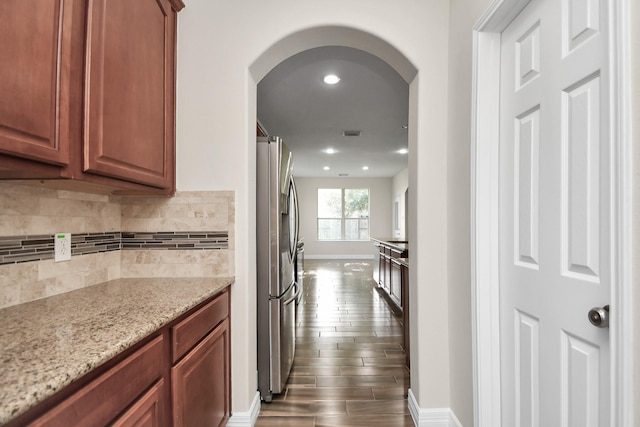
92	243
15	249
176	240
27	248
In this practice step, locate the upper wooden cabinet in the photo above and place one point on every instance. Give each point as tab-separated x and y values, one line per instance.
35	56
129	91
91	92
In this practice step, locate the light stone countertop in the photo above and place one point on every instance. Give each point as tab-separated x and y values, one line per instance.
402	261
47	344
399	244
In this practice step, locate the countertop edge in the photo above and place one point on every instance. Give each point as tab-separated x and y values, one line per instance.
389	241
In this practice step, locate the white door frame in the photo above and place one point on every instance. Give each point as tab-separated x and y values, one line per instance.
484	213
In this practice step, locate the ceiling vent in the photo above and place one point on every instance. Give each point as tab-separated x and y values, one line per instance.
343	174
352	133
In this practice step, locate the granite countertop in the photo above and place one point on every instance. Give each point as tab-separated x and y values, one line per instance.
402	261
47	344
394	242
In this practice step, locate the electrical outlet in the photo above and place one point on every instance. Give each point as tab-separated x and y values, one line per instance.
62	247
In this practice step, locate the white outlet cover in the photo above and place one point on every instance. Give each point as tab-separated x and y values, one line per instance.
62	247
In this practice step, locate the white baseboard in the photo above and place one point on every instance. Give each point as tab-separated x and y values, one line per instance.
432	417
246	419
306	256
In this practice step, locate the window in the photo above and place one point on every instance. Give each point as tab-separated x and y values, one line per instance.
343	214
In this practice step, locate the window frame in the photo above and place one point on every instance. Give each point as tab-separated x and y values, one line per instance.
342	218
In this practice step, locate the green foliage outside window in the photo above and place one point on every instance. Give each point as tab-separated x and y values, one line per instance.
343	214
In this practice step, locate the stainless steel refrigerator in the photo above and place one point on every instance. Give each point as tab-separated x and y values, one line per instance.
277	290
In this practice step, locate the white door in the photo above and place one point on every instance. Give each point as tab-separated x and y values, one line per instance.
555	221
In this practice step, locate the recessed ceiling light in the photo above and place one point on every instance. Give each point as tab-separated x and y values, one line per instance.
326	168
403	151
365	168
330	151
331	79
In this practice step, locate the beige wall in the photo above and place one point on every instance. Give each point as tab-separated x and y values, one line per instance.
635	120
463	16
379	219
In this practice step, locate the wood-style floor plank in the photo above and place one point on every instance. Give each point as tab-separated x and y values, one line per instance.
349	365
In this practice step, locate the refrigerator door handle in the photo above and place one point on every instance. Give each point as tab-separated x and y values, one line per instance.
297	213
295	295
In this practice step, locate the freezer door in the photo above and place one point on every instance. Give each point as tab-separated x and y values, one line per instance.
283	337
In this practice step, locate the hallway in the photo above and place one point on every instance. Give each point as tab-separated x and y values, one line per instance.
349	365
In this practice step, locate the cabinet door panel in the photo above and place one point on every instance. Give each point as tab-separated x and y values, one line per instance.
201	382
129	91
405	313
148	411
35	58
396	285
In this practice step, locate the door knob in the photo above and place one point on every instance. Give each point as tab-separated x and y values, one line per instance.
599	316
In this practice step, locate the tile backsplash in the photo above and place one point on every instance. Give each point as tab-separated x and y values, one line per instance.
189	215
17	249
190	234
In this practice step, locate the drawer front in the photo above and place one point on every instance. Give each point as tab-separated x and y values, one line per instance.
187	333
108	395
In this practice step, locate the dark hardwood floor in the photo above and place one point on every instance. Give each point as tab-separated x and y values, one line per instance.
349	365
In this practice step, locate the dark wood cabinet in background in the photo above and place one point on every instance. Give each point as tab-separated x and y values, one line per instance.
395	285
88	93
393	278
389	277
404	278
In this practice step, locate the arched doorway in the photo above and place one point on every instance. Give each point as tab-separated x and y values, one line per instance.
224	50
341	36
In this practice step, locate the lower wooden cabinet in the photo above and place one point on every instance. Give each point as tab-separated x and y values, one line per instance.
404	279
395	285
179	376
389	277
201	382
103	399
148	411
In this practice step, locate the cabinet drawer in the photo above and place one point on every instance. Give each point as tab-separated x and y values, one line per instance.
187	333
108	395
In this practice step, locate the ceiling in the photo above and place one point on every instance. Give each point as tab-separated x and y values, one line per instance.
311	116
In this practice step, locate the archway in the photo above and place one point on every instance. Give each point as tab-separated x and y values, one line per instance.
335	36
